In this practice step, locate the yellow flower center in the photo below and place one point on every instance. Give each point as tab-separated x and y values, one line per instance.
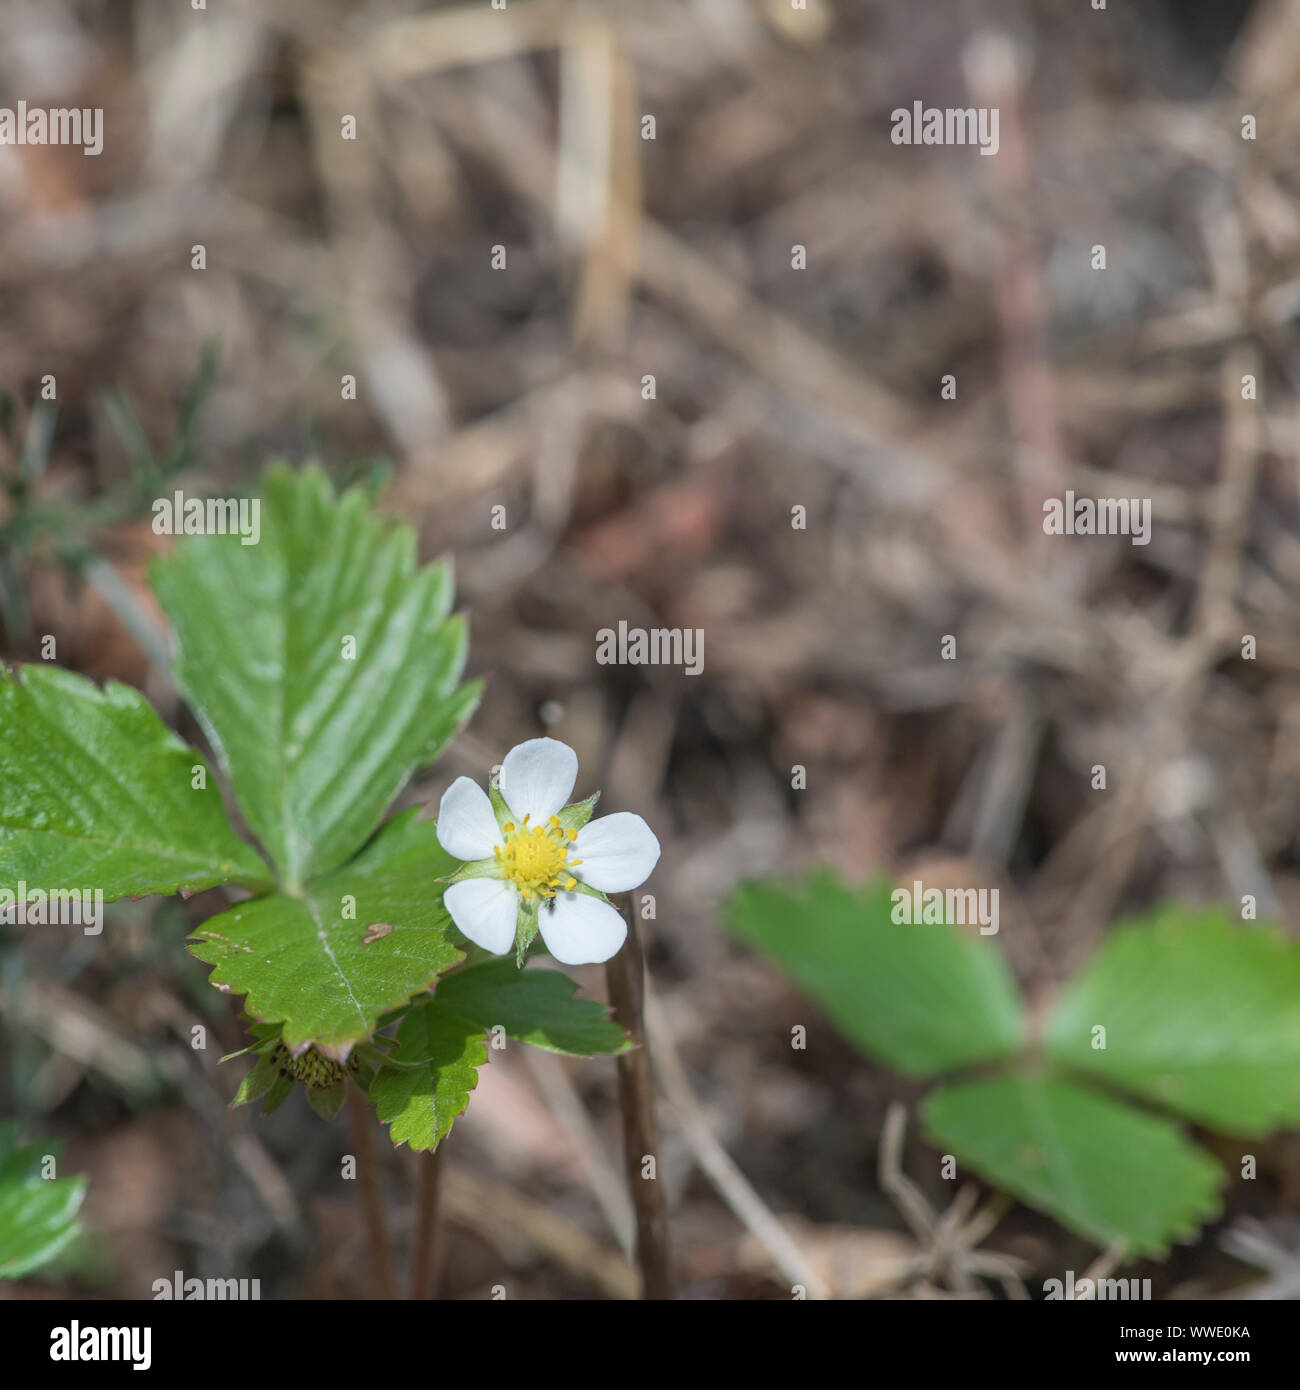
536	858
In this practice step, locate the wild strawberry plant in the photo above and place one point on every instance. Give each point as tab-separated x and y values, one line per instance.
1183	1012
324	666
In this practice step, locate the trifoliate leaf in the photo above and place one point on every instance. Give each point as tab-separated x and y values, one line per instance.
321	662
1099	1166
357	943
532	1006
1199	1013
439	1056
924	998
37	1215
100	794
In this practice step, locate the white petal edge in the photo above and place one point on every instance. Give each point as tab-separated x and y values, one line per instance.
579	930
617	852
485	909
537	778
467	829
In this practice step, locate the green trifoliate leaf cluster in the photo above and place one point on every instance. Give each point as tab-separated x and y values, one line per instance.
1189	1012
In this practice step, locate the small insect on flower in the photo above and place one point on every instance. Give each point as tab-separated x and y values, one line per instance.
533	863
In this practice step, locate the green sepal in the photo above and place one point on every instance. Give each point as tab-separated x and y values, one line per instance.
500	809
363	1072
367	1054
475	868
576	816
265	1037
258	1081
278	1094
587	891
526	927
326	1103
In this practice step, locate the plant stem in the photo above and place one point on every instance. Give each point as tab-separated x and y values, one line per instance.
372	1197
423	1274
624	975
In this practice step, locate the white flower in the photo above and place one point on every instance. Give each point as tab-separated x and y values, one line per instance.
532	862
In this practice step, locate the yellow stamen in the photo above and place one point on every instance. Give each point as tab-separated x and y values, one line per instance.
535	858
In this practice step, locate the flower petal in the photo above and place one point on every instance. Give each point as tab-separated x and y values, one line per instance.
537	777
485	910
467	829
580	930
617	852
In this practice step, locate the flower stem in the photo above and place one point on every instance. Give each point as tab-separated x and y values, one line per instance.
624	975
372	1197
423	1274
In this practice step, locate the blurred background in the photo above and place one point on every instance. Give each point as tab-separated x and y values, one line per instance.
774	388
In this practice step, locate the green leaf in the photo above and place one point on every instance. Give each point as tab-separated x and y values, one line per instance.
922	998
97	793
317	744
532	1006
359	942
1100	1167
420	1102
1201	1015
37	1215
